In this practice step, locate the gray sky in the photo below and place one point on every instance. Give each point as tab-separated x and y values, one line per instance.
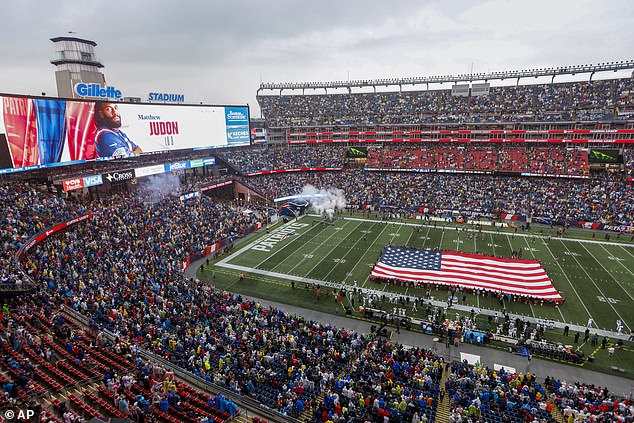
215	51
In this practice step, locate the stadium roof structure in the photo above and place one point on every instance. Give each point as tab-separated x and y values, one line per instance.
469	77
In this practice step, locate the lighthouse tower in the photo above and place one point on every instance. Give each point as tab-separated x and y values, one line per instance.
76	62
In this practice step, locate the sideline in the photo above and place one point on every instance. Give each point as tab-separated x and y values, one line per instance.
489	355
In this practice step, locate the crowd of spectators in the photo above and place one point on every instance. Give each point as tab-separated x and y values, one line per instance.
274	158
629	162
534	160
589	403
480	394
386	383
122	270
595	100
607	199
26	212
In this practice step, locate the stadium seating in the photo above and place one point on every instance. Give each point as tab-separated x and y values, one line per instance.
596	100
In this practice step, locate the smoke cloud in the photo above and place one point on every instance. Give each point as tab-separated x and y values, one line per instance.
156	187
325	201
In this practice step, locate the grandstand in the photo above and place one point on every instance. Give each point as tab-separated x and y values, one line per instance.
104	315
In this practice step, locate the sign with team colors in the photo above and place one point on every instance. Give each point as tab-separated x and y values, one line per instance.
43	132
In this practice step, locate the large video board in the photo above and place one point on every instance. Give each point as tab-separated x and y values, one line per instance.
42	132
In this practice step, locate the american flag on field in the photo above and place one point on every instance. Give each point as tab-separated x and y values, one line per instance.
510	276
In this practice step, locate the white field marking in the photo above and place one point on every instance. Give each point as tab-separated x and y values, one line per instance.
620	261
409	238
589	241
529	304
312	253
569	282
609	273
278	250
426	236
367	278
595	285
248	247
343	258
363	256
492	243
319	262
626	250
435	303
533	254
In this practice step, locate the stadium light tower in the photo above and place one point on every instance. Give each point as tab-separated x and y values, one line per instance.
76	62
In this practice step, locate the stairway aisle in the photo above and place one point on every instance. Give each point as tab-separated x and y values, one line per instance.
444	405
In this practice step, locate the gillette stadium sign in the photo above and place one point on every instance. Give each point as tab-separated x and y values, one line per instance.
96	91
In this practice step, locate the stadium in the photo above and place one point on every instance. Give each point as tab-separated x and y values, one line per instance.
429	249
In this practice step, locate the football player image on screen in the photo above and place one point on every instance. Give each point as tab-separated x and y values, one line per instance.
110	140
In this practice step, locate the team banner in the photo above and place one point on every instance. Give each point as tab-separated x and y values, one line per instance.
42	132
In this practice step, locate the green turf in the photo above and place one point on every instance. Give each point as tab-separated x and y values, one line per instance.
596	279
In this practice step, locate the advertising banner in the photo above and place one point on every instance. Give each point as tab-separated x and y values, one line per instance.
119	176
237	124
299	169
42	132
149	170
72	184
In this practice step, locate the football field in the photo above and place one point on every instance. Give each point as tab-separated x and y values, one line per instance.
596	277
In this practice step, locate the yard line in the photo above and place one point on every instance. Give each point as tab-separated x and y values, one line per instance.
628	269
595	285
367	278
364	254
347	252
610	273
492	243
625	250
319	262
563	272
509	241
314	249
409	238
426	236
530	249
511	245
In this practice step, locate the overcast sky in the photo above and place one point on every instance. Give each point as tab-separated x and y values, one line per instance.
218	51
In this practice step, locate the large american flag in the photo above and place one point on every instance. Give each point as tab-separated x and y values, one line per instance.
510	276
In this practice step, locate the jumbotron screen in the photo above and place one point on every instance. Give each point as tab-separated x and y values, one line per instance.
43	132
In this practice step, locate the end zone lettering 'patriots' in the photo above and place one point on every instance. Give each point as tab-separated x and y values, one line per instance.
510	276
278	235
